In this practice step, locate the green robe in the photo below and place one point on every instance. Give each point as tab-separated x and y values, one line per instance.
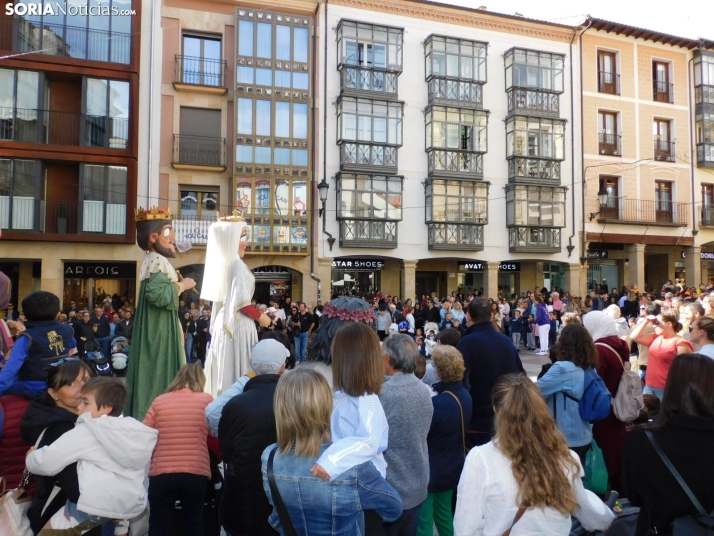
157	352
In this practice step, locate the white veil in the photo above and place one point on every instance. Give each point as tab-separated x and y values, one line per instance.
221	252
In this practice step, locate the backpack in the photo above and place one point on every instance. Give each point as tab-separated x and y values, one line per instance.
596	401
628	402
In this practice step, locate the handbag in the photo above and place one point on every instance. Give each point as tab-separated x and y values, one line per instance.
463	428
519	515
627	401
596	475
701	524
283	515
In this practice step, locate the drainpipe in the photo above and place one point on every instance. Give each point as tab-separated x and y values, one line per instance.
570	247
583	252
149	189
314	174
692	145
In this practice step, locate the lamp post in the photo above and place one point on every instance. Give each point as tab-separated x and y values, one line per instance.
602	195
322	190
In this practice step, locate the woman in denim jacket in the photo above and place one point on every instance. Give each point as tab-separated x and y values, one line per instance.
303	407
563	386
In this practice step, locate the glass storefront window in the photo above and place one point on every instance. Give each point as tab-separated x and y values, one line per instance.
369	197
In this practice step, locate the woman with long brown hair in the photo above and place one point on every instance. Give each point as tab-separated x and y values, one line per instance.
526	478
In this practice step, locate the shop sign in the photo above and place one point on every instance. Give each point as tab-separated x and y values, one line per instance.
503	267
358	264
597	254
100	270
704	255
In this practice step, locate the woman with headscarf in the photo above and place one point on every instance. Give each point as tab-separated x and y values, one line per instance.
613	352
229	283
623	329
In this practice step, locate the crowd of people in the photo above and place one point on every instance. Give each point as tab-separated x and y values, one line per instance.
431	420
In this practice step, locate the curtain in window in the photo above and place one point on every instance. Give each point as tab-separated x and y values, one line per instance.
245	116
282	42
265	40
300	36
300	121
245	38
282	119
262	118
116	200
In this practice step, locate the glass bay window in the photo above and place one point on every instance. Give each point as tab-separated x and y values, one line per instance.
456	139
369	45
456	211
455	70
534	81
534	148
534	216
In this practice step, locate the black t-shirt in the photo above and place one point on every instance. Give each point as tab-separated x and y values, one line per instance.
303	320
103	323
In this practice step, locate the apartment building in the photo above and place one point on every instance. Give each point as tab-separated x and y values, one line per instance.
68	152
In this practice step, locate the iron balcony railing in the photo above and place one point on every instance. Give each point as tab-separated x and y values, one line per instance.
609	144
662	91
455	236
707	216
63	128
460	163
461	92
533	169
664	151
608	83
533	101
644	211
199	150
360	156
199	71
20	213
68	41
368	233
534	239
357	79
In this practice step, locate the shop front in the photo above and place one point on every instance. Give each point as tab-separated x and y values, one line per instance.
470	277
88	283
358	275
603	270
272	283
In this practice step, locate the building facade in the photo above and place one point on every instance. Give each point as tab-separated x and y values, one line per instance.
69	87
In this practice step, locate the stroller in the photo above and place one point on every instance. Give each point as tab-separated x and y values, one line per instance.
430	344
97	360
120	355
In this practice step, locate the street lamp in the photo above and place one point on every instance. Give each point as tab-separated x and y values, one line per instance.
322	190
602	195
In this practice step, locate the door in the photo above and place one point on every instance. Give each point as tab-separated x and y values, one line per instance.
607	123
661	131
707	204
660	79
606	73
663	202
611	210
426	283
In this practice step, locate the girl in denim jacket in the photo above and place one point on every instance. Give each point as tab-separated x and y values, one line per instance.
563	386
359	425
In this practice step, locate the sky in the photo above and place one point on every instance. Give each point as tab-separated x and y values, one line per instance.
690	18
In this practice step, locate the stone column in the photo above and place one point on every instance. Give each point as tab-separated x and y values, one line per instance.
636	258
52	275
573	279
693	266
324	273
490	279
408	287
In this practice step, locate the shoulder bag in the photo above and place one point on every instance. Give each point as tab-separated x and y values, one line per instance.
283	515
627	401
701	524
463	427
519	515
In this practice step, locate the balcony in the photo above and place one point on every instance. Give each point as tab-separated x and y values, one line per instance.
533	240
664	151
368	234
707	216
27	214
192	230
200	75
453	236
533	102
704	94
530	169
608	83
67	41
455	164
705	154
355	156
645	212
365	82
662	91
199	153
609	144
455	92
63	128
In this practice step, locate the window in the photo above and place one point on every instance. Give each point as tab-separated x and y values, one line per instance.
369	196
273	36
456	201
611	208
201	61
74	34
106	105
703	78
532	69
608	138
369	121
535	206
608	79
705	138
199	140
20	100
20	191
103	192
455	58
535	137
369	46
199	205
662	89
663	201
663	148
707	204
456	128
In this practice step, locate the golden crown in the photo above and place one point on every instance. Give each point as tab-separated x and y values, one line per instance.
236	216
153	213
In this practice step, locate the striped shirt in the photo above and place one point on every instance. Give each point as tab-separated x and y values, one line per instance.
359	434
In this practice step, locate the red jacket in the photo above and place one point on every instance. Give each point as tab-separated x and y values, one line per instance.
12	447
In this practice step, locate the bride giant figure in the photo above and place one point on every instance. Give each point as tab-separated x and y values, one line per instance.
229	284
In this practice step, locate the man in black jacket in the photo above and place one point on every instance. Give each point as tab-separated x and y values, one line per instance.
125	327
246	428
203	331
83	331
488	355
103	330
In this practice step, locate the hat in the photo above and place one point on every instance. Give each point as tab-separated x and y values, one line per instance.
268	356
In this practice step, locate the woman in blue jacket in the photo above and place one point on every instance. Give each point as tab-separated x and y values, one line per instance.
563	386
543	320
303	408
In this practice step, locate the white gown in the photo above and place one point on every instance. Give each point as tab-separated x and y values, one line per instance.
233	334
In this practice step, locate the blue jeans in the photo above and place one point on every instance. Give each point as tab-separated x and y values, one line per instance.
165	490
188	346
649	390
406	524
301	346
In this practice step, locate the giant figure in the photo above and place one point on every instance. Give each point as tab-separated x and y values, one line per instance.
157	351
229	284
